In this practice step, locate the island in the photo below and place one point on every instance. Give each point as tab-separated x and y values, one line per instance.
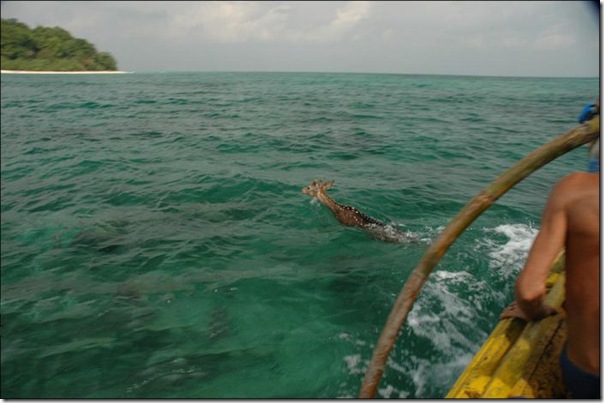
46	49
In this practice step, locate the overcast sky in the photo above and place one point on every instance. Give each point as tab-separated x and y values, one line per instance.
501	38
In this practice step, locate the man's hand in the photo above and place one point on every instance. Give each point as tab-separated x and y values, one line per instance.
514	311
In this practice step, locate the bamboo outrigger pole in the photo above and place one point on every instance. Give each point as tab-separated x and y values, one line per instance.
482	201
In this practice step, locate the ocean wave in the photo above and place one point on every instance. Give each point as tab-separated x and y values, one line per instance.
508	257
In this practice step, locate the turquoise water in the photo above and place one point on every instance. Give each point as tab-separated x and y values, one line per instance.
156	243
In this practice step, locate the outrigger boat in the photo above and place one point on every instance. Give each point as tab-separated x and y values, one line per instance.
518	359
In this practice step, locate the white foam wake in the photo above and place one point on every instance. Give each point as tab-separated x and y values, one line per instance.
510	256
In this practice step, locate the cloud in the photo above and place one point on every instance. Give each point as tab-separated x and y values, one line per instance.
241	22
347	18
555	41
230	22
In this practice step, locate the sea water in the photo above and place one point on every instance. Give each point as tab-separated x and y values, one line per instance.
156	243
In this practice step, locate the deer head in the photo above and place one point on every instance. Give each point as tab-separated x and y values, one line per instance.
316	186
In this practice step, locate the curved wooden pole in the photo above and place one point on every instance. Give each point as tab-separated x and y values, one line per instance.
482	201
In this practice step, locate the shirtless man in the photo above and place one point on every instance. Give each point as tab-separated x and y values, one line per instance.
571	219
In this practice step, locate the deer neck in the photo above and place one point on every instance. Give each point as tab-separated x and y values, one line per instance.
328	201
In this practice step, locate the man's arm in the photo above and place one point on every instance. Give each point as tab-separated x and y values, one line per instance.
530	285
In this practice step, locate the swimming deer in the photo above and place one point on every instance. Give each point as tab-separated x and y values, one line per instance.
352	217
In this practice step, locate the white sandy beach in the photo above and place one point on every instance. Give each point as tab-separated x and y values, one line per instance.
62	72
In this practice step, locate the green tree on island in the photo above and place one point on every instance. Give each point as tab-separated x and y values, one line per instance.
48	49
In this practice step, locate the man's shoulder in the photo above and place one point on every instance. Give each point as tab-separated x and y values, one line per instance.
576	185
579	179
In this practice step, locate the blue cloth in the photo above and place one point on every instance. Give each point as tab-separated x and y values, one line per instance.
593	165
581	384
587	113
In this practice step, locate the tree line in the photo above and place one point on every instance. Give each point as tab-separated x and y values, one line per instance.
48	49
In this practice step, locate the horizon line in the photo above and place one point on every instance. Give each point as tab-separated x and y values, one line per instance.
3	71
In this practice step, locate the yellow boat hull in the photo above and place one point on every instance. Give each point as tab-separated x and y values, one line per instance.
520	359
